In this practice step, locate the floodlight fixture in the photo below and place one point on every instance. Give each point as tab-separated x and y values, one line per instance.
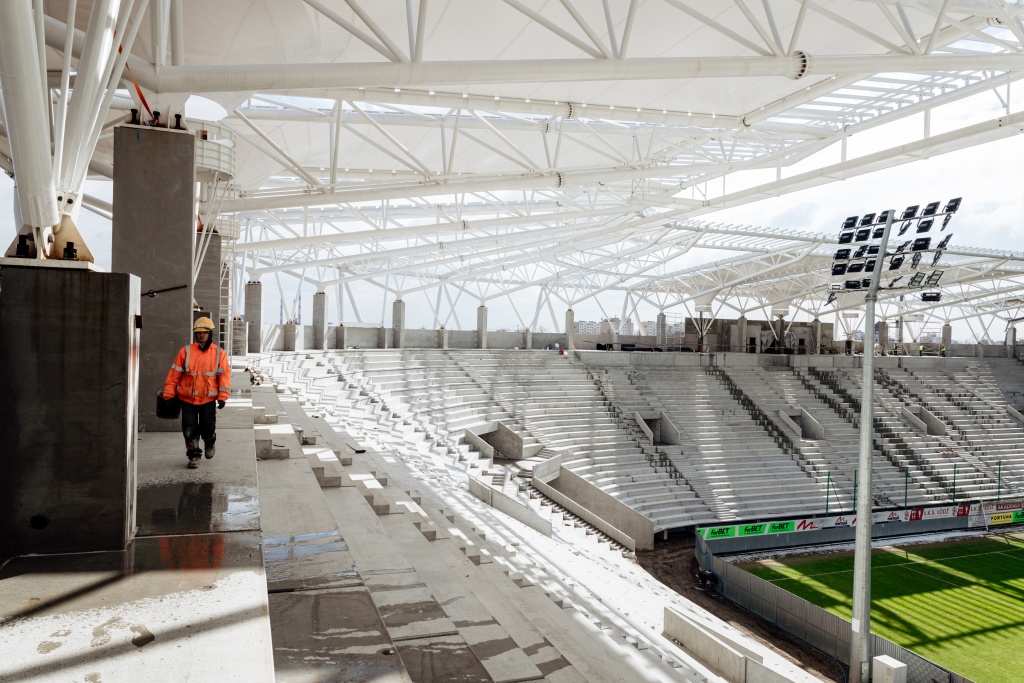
945	221
933	278
850	222
869	266
921	244
931	209
916	260
916	280
931	296
903	229
900	249
863	234
892	282
896	261
860	251
839	269
877	234
910	212
936	257
831	298
852	284
868	219
884	216
952	205
866	283
925	224
944	242
845	237
835	287
842	254
872	249
855	267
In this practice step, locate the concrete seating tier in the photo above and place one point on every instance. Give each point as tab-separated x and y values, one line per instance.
730	460
928	458
973	408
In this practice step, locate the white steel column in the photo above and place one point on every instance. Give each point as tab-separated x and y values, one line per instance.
27	120
860	636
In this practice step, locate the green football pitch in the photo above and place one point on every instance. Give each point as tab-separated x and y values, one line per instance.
958	603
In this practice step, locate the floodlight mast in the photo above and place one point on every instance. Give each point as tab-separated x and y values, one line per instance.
860	636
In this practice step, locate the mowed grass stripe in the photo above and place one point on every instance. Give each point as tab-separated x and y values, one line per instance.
960	604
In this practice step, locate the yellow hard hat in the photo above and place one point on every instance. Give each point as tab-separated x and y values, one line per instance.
202	325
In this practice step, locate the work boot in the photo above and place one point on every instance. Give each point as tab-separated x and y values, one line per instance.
210	451
193	463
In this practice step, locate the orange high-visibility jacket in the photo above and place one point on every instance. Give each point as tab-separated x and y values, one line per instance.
198	376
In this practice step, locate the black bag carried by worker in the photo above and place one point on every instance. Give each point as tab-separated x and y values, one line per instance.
167	409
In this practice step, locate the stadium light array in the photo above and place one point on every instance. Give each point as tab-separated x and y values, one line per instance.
874	230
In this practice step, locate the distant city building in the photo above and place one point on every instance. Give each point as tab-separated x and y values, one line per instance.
587	327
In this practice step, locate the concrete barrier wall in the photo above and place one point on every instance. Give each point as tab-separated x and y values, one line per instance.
544	339
1015	414
711	650
507	441
917	422
511	507
272	337
361	337
589	342
474	440
504	340
669	431
605	511
793	427
809	427
549	469
462	339
420	339
936	427
643	426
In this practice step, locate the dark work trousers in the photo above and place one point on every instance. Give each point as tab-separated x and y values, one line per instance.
199	420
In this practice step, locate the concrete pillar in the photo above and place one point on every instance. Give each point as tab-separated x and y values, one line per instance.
816	326
320	320
398	322
442	338
780	332
69	340
254	315
947	337
153	237
1011	340
382	337
481	327
208	281
741	332
883	336
340	336
662	331
239	337
570	329
527	339
288	334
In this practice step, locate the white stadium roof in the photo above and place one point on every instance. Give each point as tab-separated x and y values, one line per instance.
473	149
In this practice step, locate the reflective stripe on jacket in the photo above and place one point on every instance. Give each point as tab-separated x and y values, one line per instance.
198	376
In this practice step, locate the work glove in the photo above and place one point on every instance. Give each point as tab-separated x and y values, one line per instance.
220	404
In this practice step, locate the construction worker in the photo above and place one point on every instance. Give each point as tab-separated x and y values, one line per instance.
201	379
